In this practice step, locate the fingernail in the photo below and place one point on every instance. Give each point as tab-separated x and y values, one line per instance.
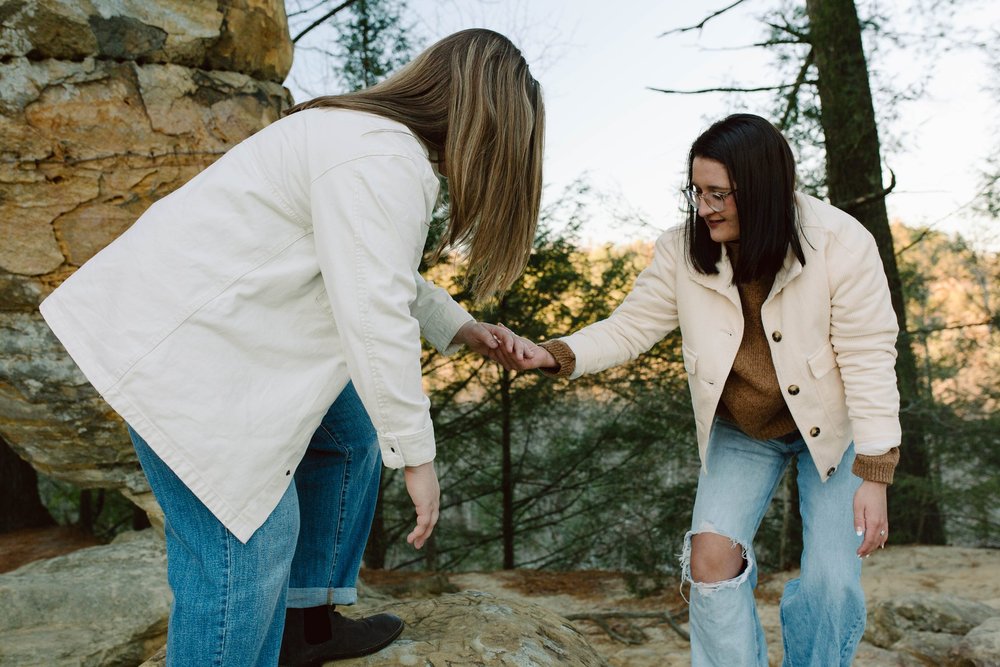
868	555
859	531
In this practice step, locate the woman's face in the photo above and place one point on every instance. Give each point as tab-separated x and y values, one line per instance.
710	176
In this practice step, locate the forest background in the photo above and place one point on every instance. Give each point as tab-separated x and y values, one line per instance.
601	473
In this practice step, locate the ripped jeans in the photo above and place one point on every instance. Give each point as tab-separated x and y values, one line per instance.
823	611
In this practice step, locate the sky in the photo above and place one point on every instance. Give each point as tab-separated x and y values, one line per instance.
596	61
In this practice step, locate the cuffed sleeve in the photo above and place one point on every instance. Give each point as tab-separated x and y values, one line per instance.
877	468
369	219
565	359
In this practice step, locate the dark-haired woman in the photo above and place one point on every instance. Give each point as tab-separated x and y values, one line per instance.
259	331
789	345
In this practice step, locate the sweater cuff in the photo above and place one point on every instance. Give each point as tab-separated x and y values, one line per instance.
876	468
564	356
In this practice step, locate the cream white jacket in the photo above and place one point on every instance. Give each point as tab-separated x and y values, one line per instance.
227	319
830	324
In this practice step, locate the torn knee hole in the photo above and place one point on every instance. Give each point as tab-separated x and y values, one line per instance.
712	560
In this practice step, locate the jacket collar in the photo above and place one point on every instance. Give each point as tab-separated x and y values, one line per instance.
791	268
722	282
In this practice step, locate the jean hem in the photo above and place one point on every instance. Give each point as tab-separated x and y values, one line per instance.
299	598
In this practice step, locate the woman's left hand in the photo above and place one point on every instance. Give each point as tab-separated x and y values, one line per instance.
492	341
871	516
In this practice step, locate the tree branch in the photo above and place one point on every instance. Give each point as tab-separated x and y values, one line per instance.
991	322
300	12
318	22
761	89
802	37
854	203
920	237
699	26
792	98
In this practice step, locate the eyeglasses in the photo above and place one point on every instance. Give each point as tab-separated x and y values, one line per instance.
715	200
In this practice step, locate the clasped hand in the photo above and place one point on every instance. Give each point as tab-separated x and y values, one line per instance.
503	346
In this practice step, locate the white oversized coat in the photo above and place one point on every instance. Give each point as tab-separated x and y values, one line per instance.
829	324
227	319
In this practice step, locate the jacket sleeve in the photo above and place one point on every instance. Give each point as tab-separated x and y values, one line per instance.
863	332
647	314
369	220
439	315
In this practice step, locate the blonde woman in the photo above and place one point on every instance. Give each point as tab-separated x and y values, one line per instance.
259	331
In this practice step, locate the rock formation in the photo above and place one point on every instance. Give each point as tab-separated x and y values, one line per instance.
936	629
100	606
105	108
474	629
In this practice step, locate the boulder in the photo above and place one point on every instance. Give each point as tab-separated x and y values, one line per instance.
980	647
474	629
873	656
103	606
890	620
927	648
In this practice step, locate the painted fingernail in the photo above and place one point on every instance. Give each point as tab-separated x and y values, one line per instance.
859	531
868	555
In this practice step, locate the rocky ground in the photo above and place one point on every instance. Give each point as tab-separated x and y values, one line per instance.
929	605
973	574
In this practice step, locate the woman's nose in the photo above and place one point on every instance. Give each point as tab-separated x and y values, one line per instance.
704	210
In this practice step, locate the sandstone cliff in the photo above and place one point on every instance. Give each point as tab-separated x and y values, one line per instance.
104	108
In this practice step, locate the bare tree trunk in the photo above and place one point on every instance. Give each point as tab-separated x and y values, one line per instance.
854	178
507	474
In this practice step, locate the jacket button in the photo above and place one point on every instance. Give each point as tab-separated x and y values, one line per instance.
831	471
814	431
793	389
776	336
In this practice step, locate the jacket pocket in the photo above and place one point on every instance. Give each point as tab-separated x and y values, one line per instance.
822	361
690	360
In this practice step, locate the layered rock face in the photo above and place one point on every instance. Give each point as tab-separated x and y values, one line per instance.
104	108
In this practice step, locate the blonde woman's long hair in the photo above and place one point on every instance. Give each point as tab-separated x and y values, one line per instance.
471	99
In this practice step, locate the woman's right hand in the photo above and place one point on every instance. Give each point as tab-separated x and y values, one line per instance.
422	485
516	353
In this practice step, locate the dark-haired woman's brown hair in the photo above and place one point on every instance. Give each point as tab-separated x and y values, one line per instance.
762	172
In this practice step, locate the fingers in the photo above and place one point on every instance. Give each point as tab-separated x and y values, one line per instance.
871	522
422	485
426	520
516	347
505	337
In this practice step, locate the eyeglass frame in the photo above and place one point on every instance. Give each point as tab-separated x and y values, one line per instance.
692	196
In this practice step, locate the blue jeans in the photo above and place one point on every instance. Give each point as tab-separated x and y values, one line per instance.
229	597
823	611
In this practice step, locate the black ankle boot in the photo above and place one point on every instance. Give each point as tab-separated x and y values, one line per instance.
346	637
